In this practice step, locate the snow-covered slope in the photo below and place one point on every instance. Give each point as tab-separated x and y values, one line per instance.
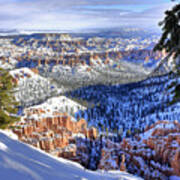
22	162
32	88
59	104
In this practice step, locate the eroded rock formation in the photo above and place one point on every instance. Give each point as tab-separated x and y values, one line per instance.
55	134
155	154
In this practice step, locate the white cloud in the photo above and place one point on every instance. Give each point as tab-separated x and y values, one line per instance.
75	14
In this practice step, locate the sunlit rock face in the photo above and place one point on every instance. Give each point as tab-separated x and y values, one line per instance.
55	133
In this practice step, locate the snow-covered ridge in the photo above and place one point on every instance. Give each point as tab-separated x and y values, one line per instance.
32	88
60	104
20	161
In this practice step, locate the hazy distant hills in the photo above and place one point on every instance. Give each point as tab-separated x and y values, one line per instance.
127	32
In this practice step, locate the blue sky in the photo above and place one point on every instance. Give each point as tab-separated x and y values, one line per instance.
80	14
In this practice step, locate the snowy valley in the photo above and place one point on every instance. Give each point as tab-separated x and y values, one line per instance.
101	102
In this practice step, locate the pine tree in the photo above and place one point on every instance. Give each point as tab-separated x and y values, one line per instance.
8	103
170	41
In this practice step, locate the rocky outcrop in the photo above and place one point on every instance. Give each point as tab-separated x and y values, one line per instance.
79	56
55	133
122	165
175	162
155	154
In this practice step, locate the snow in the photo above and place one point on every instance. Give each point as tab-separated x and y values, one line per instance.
3	147
79	135
10	134
33	88
5	65
19	161
148	133
174	178
59	104
22	71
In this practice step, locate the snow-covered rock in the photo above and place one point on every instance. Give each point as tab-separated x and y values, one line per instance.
152	154
20	161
